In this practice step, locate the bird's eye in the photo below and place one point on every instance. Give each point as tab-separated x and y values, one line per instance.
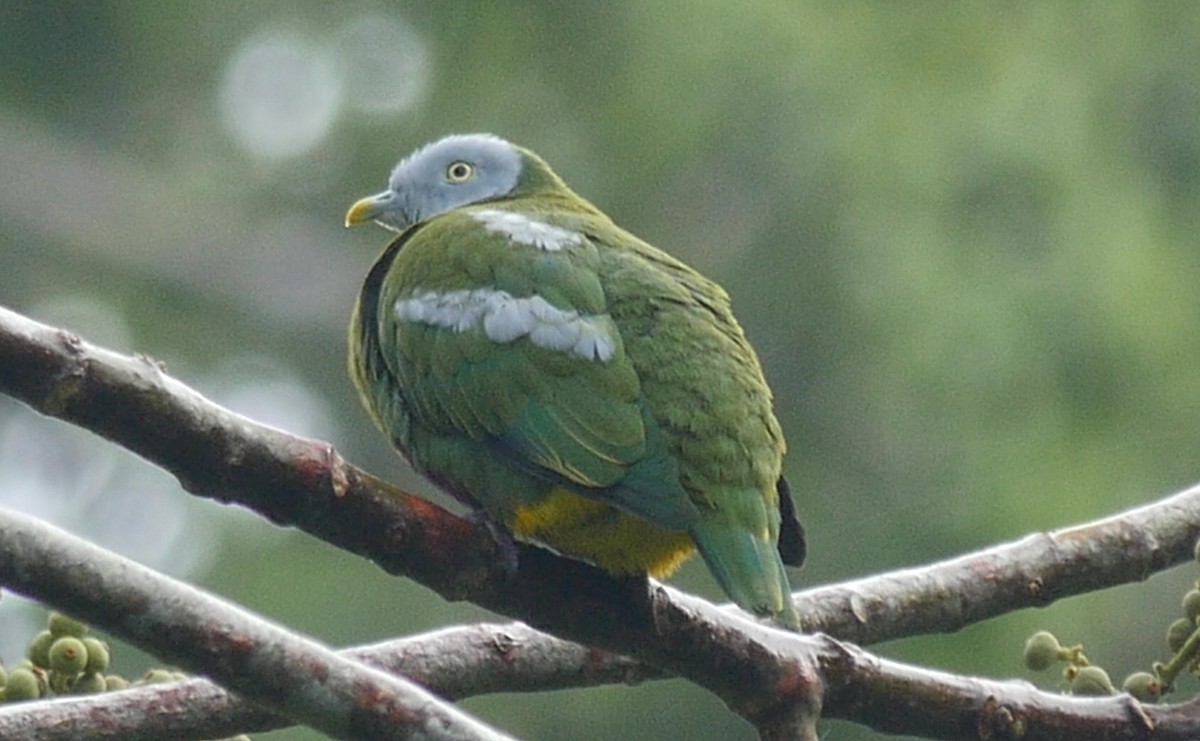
460	172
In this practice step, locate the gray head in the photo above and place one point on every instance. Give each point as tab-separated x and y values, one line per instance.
455	171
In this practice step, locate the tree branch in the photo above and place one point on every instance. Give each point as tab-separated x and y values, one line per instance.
1031	572
779	681
224	456
897	698
453	663
203	634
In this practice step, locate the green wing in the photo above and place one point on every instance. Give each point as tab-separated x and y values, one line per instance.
481	334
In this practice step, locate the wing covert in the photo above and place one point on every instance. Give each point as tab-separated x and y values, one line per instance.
541	375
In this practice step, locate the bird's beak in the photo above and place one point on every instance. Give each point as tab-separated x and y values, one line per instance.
369	208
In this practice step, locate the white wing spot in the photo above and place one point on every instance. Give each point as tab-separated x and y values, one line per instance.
506	318
521	229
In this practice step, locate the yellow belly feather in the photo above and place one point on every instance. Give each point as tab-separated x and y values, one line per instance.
616	541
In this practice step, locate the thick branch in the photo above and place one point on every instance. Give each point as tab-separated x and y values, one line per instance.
205	634
224	456
262	662
762	673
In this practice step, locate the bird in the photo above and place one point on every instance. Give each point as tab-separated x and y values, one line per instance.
572	384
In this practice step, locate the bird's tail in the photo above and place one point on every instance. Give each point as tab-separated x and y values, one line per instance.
748	567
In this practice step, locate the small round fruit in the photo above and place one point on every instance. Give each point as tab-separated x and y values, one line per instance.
1092	681
1191	604
155	676
1178	632
39	649
22	685
115	682
68	656
1041	651
1144	686
88	684
64	625
97	656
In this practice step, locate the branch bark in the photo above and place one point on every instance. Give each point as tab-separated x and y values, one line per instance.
777	680
453	663
200	632
224	456
260	661
1031	572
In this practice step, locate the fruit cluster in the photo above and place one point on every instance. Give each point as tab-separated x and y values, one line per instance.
1043	650
64	660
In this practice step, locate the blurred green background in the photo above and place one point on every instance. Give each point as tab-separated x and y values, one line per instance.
961	236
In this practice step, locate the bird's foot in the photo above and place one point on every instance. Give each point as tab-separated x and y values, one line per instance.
504	540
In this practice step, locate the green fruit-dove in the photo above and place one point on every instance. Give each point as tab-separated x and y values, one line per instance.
579	387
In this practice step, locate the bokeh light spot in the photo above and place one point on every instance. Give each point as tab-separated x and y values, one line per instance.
387	64
280	95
